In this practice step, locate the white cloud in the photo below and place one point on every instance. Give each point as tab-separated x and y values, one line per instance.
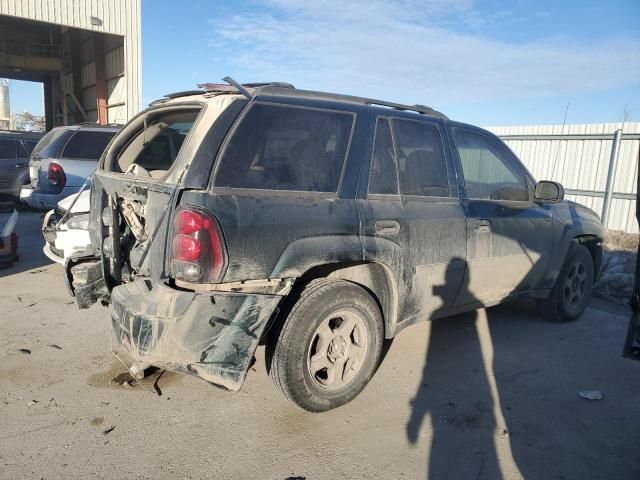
414	51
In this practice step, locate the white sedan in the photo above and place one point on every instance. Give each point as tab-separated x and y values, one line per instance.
66	228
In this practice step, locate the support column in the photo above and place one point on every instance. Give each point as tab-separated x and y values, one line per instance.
608	191
101	82
49	104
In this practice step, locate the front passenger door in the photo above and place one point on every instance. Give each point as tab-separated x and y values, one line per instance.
509	237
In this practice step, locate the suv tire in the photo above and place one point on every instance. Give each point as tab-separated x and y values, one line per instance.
329	345
572	289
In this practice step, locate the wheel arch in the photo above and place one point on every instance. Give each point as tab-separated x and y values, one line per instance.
593	243
375	278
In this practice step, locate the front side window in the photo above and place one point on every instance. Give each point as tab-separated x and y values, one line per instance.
411	152
7	149
286	148
489	171
87	145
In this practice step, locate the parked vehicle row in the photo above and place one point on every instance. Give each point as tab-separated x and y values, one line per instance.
319	225
61	162
15	149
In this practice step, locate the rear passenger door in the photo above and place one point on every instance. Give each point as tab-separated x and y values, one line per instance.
509	237
412	210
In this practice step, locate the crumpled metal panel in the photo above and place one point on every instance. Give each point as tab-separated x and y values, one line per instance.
213	336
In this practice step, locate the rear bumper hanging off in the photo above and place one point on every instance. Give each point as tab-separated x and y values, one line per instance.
211	335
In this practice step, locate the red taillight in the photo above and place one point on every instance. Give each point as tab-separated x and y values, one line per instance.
197	248
186	249
56	175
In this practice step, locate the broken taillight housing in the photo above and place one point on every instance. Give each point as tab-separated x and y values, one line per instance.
56	175
197	248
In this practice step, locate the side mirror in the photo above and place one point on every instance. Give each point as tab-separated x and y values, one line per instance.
548	191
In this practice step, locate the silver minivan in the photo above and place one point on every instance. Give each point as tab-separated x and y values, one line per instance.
62	161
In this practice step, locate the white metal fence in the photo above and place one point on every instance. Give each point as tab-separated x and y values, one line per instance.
580	158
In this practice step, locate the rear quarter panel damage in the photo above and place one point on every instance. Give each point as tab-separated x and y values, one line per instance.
211	335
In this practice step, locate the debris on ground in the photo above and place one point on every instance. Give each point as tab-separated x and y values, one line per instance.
591	394
53	345
109	430
26	351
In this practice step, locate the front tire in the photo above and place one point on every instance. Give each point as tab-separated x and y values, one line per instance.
572	290
328	347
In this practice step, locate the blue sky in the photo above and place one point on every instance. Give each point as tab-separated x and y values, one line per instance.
485	62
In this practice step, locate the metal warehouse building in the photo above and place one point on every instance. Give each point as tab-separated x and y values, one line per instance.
85	52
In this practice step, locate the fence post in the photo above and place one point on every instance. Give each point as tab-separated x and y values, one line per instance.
608	191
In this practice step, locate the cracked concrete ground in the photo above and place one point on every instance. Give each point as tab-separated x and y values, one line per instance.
493	394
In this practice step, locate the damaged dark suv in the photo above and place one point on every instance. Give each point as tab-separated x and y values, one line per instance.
319	225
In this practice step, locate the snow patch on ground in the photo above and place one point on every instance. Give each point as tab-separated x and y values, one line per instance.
618	267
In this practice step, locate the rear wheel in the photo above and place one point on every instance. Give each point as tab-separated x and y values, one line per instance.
572	290
328	347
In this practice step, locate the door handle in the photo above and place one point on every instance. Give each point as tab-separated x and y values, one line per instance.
483	225
387	227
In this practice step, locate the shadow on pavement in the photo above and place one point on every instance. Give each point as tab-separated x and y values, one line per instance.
498	398
456	396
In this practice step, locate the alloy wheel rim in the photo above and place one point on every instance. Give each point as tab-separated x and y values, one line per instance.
337	350
575	285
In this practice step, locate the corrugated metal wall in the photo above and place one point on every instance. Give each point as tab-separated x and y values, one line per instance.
582	164
119	17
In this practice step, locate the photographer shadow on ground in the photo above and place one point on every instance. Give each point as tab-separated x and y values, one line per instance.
457	400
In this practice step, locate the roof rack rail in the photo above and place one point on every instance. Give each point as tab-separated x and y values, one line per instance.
234	86
95	124
270	84
423	109
20	131
184	93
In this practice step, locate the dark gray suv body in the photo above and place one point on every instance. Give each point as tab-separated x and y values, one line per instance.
318	224
15	149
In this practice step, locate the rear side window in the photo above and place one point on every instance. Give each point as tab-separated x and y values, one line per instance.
51	144
87	145
153	149
287	148
8	149
384	174
489	170
422	166
161	152
411	151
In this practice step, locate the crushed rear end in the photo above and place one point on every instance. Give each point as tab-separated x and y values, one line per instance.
169	307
